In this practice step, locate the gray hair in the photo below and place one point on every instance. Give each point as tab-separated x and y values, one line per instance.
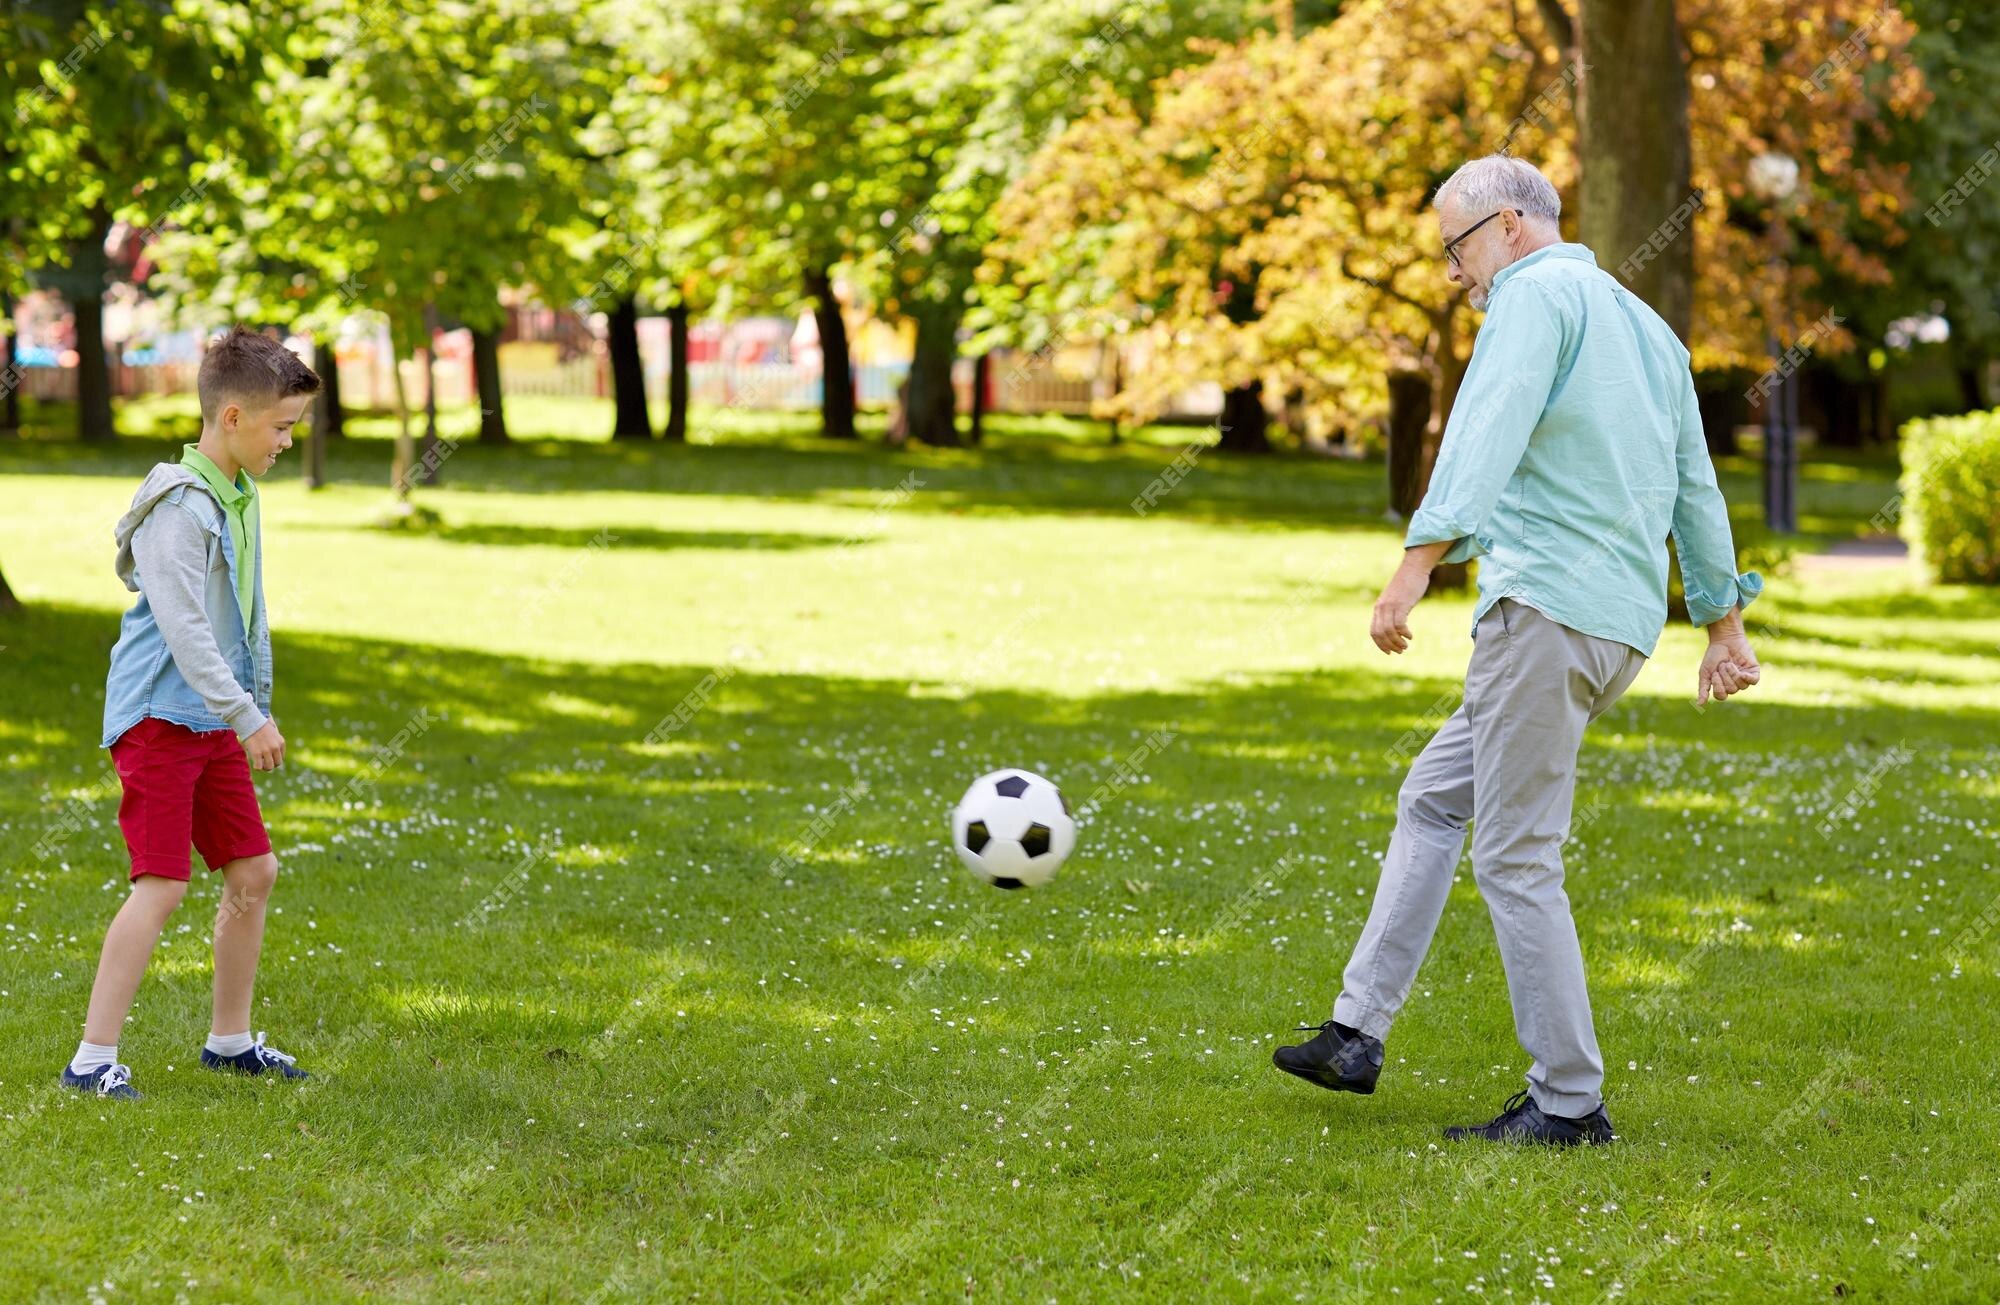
1500	181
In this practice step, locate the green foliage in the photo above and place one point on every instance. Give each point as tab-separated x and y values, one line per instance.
125	111
429	158
1950	507
1947	262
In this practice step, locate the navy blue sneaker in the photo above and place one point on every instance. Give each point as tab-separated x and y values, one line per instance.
1340	1058
114	1081
1521	1120
257	1060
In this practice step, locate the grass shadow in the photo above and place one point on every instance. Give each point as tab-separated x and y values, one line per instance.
506	535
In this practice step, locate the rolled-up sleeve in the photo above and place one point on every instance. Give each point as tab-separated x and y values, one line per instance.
1702	538
1505	391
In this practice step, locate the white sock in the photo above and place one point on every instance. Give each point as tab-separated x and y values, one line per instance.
229	1044
89	1056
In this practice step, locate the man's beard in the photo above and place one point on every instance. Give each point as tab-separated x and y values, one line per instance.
1477	298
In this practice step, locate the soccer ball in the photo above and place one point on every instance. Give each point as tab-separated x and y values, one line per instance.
1012	829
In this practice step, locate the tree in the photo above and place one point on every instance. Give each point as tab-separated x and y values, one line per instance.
983	88
1296	172
10	384
1673	101
469	115
486	378
144	103
1946	263
32	162
652	230
1267	221
429	159
786	98
1632	144
1752	92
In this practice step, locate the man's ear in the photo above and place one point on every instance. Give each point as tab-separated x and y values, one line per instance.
230	415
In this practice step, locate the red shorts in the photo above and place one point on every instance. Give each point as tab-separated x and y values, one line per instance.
182	787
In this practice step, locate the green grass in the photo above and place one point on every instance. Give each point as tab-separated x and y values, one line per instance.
658	1064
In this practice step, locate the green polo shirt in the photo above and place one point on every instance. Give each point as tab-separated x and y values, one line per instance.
239	505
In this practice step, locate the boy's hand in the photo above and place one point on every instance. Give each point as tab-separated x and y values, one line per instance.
266	747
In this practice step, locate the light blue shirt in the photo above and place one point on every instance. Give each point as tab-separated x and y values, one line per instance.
1573	448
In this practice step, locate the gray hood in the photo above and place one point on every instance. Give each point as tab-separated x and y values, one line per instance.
163	480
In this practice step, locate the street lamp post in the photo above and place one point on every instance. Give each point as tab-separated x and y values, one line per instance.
1773	178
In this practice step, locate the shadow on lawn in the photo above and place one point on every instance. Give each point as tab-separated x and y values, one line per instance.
502	535
739	785
1032	476
1021	475
548	861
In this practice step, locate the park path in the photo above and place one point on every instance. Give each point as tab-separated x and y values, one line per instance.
1866	553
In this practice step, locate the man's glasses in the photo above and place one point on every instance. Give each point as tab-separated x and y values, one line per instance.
1451	246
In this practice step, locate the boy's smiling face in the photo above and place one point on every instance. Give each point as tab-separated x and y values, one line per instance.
254	437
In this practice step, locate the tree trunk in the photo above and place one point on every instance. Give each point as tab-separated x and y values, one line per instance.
677	373
1833	407
836	390
326	409
1411	398
486	375
314	472
982	369
430	462
1409	424
8	602
1117	369
10	384
328	419
628	374
1245	427
1876	424
1296	421
1971	387
400	462
93	374
897	432
1719	395
1632	110
1448	577
932	410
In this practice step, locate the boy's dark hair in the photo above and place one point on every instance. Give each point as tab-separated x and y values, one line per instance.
251	370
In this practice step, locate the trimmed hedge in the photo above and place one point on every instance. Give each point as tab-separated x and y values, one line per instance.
1949	504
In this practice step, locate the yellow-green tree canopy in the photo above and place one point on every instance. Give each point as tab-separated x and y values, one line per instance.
1268	217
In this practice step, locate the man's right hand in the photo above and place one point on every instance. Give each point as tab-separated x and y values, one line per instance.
266	747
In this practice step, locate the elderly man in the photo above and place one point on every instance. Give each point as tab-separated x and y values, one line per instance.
1574	447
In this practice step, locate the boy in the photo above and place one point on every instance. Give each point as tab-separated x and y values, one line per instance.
190	676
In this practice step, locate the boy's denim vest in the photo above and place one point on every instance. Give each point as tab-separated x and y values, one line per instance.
144	680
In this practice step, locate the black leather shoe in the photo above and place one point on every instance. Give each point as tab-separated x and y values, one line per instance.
1340	1058
1521	1120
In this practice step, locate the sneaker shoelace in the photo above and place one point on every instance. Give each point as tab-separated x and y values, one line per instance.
114	1077
270	1055
1515	1105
